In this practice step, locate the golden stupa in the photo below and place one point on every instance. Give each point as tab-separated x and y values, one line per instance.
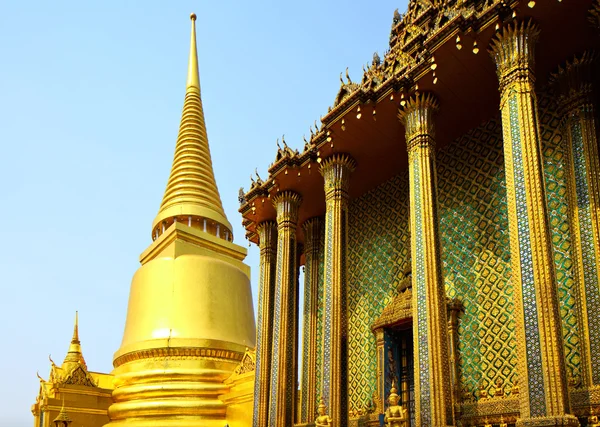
190	318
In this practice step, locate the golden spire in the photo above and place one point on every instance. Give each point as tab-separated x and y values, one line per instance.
74	355
192	195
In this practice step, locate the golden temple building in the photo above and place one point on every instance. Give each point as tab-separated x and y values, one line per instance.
86	394
446	213
446	216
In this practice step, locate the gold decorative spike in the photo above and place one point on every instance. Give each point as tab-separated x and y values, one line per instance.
74	355
191	190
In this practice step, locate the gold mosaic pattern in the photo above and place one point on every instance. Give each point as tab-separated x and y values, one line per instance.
556	193
320	290
475	251
378	252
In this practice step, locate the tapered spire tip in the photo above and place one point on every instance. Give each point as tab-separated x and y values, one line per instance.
193	78
192	194
76	328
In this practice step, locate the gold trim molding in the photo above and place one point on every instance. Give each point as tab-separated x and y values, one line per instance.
179	353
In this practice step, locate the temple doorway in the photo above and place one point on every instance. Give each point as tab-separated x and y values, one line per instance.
399	366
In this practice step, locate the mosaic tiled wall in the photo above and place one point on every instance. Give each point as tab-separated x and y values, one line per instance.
556	192
378	253
475	253
320	290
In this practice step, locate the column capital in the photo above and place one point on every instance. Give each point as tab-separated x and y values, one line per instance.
513	51
267	235
417	117
336	172
594	15
572	82
287	204
312	233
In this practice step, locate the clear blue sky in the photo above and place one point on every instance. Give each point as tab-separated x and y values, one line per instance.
90	101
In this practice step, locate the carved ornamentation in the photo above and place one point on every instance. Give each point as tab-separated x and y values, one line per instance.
313	247
179	353
430	323
539	344
513	52
417	117
283	371
594	14
79	376
573	87
336	171
267	235
248	363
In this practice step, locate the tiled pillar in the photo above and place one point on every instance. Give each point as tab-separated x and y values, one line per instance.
285	331
433	399
336	172
312	250
455	309
267	235
541	363
573	85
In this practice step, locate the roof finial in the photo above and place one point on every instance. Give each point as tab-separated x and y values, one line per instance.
74	355
193	79
75	338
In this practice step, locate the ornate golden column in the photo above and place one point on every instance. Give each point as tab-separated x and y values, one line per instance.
267	235
455	308
573	83
312	250
433	402
380	348
285	331
541	363
336	172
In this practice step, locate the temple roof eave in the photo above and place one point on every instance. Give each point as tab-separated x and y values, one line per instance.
470	21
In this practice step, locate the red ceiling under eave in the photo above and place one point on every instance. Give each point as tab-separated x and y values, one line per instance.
467	90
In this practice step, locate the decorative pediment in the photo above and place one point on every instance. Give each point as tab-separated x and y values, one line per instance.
248	363
79	376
